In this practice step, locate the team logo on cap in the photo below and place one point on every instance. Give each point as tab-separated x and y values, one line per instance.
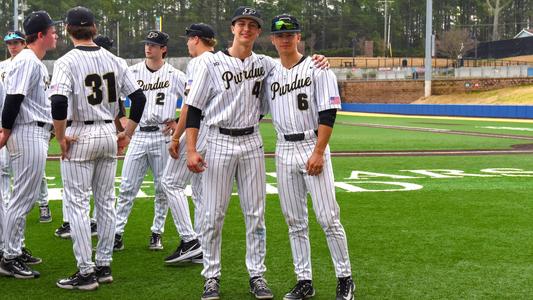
249	11
152	35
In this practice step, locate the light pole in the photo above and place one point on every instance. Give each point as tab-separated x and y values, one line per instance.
429	30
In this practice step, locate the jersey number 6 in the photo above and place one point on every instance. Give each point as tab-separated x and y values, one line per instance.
94	81
303	104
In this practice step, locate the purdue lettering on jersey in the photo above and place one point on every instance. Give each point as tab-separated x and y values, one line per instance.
228	89
162	89
296	95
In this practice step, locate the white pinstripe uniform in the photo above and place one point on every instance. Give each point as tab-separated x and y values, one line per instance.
296	96
2	202
5	165
227	90
92	79
28	143
149	148
176	177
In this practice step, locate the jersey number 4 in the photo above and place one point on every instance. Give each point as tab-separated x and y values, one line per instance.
94	81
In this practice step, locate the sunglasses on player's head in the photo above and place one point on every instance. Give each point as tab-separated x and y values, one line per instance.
285	24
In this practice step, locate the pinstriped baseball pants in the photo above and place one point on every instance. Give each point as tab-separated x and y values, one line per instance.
242	159
293	186
175	178
146	149
92	166
28	149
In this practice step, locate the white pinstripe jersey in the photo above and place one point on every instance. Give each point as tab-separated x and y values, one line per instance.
228	90
27	75
162	89
191	69
296	95
92	79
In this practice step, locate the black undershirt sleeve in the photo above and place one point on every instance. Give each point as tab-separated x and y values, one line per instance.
194	117
327	117
138	100
59	107
11	110
121	109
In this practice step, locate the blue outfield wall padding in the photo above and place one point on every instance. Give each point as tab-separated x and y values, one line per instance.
489	111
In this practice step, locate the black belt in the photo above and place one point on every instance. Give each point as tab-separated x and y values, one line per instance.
41	124
149	128
296	137
237	132
69	123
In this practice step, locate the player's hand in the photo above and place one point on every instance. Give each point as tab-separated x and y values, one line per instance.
320	61
3	138
64	144
170	127
123	141
195	162
315	164
174	148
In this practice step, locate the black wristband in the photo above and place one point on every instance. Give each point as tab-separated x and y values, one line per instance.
138	100
59	107
194	117
121	109
11	110
327	117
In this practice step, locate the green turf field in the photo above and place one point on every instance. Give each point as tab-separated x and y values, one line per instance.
416	228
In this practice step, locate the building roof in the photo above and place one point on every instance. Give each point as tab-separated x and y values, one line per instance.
524	33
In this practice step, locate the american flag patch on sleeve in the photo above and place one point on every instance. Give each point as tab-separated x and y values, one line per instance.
335	100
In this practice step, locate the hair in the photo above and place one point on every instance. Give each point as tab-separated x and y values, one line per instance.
31	38
81	32
209	42
166	52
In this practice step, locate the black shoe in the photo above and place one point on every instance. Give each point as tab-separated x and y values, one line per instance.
302	290
156	242
29	259
211	289
94	229
119	243
17	268
44	214
259	288
79	282
345	289
63	231
186	251
198	259
103	274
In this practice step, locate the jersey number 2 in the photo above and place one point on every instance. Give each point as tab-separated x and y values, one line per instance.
303	104
94	81
160	99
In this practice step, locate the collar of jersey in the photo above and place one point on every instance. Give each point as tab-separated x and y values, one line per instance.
88	48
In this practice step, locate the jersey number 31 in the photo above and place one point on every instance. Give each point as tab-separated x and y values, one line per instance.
94	81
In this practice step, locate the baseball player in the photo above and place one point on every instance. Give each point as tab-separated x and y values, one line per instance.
163	85
200	42
63	231
303	102
16	42
26	123
86	84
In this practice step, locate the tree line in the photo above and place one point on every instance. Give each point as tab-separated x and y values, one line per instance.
332	27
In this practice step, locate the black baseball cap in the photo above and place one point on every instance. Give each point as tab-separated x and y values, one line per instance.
80	16
246	12
284	23
103	41
156	37
37	21
200	30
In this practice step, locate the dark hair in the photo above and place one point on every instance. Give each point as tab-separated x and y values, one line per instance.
31	38
166	52
81	32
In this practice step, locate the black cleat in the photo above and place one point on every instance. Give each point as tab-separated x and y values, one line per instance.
302	290
103	274
259	288
156	242
119	243
44	214
211	289
79	282
29	259
186	252
94	229
17	268
345	289
198	259
63	231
